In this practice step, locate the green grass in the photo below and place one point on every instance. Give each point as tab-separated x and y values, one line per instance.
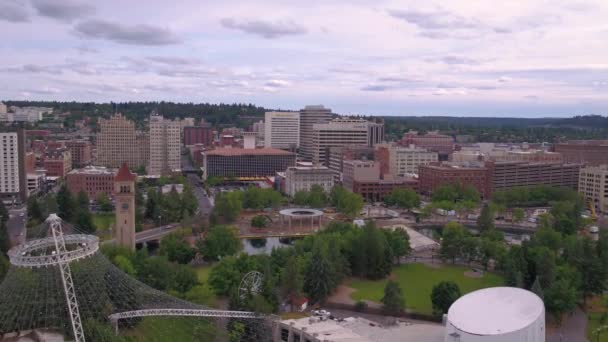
417	281
103	222
169	329
202	293
202	273
595	310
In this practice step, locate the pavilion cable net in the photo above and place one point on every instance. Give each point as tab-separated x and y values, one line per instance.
34	295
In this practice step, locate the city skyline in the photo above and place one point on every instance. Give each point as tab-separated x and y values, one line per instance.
459	58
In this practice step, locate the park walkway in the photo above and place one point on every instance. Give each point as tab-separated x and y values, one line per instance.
573	329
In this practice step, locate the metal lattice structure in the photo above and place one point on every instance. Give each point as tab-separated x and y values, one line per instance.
251	284
62	282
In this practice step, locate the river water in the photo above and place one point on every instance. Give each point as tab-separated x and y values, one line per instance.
265	245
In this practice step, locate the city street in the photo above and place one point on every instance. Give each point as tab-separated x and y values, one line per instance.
16	225
204	202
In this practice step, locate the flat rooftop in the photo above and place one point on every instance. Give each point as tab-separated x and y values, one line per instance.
247	152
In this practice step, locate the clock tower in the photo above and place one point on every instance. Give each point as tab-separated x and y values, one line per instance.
124	195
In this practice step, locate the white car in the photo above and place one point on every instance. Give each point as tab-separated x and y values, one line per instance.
22	214
320	313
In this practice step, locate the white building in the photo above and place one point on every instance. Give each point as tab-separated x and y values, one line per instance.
3	108
165	152
302	178
309	116
593	184
344	132
496	314
405	160
9	165
29	114
249	140
282	130
35	181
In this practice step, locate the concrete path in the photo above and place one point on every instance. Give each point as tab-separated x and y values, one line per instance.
573	329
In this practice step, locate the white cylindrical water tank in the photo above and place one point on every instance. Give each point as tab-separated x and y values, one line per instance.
501	314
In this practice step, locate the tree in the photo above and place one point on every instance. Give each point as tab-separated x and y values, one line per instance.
103	202
82	200
66	204
4	265
189	201
445	193
393	300
443	296
5	242
34	212
545	266
301	197
176	248
518	215
537	288
319	276
403	198
373	257
560	298
4	215
485	221
221	241
184	279
453	235
228	206
152	209
399	243
124	264
316	197
84	221
259	221
291	278
346	202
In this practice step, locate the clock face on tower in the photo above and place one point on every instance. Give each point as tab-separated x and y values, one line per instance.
125	205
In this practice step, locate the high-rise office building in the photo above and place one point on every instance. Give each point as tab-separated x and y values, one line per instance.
9	166
593	184
282	130
343	132
401	161
165	153
118	142
81	152
309	116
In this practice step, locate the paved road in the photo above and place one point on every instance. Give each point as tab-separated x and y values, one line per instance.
204	203
573	329
151	234
16	225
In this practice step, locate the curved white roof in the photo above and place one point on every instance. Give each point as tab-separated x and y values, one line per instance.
495	311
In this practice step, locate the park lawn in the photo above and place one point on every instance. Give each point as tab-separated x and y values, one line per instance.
417	281
595	308
202	293
169	329
103	222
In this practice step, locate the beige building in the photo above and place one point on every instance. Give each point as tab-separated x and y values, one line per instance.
282	130
9	165
3	108
165	138
302	178
118	142
344	132
593	184
405	160
309	116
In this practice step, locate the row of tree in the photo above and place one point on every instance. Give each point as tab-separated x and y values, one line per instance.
170	207
540	195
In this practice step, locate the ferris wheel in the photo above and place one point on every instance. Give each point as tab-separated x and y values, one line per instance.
251	284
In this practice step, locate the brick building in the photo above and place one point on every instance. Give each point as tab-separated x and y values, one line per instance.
508	175
337	155
589	152
593	184
91	179
194	135
432	176
432	140
364	178
57	162
249	163
81	152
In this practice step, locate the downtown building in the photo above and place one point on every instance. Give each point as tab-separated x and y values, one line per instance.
344	132
80	151
433	176
338	154
246	163
432	140
57	162
508	175
282	130
165	146
13	175
402	161
198	135
310	116
588	152
93	180
119	142
364	177
302	178
593	185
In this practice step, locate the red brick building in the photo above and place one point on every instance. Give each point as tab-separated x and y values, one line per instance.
508	175
430	177
589	152
30	162
92	179
441	143
81	152
57	162
364	178
194	135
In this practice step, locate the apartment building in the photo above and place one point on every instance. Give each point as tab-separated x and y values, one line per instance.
81	152
302	178
593	184
432	176
93	180
165	152
344	132
364	177
10	184
194	135
282	130
402	161
337	155
57	162
246	163
118	142
310	116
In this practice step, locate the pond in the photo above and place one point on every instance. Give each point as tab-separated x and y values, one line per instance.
265	245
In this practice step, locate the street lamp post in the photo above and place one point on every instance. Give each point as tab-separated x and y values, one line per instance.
160	221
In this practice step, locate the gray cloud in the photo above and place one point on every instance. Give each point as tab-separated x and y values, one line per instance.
64	10
439	19
173	60
459	60
377	87
119	33
268	30
43	91
34	69
86	49
277	83
13	13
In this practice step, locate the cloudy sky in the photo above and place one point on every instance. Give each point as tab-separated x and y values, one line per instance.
460	57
